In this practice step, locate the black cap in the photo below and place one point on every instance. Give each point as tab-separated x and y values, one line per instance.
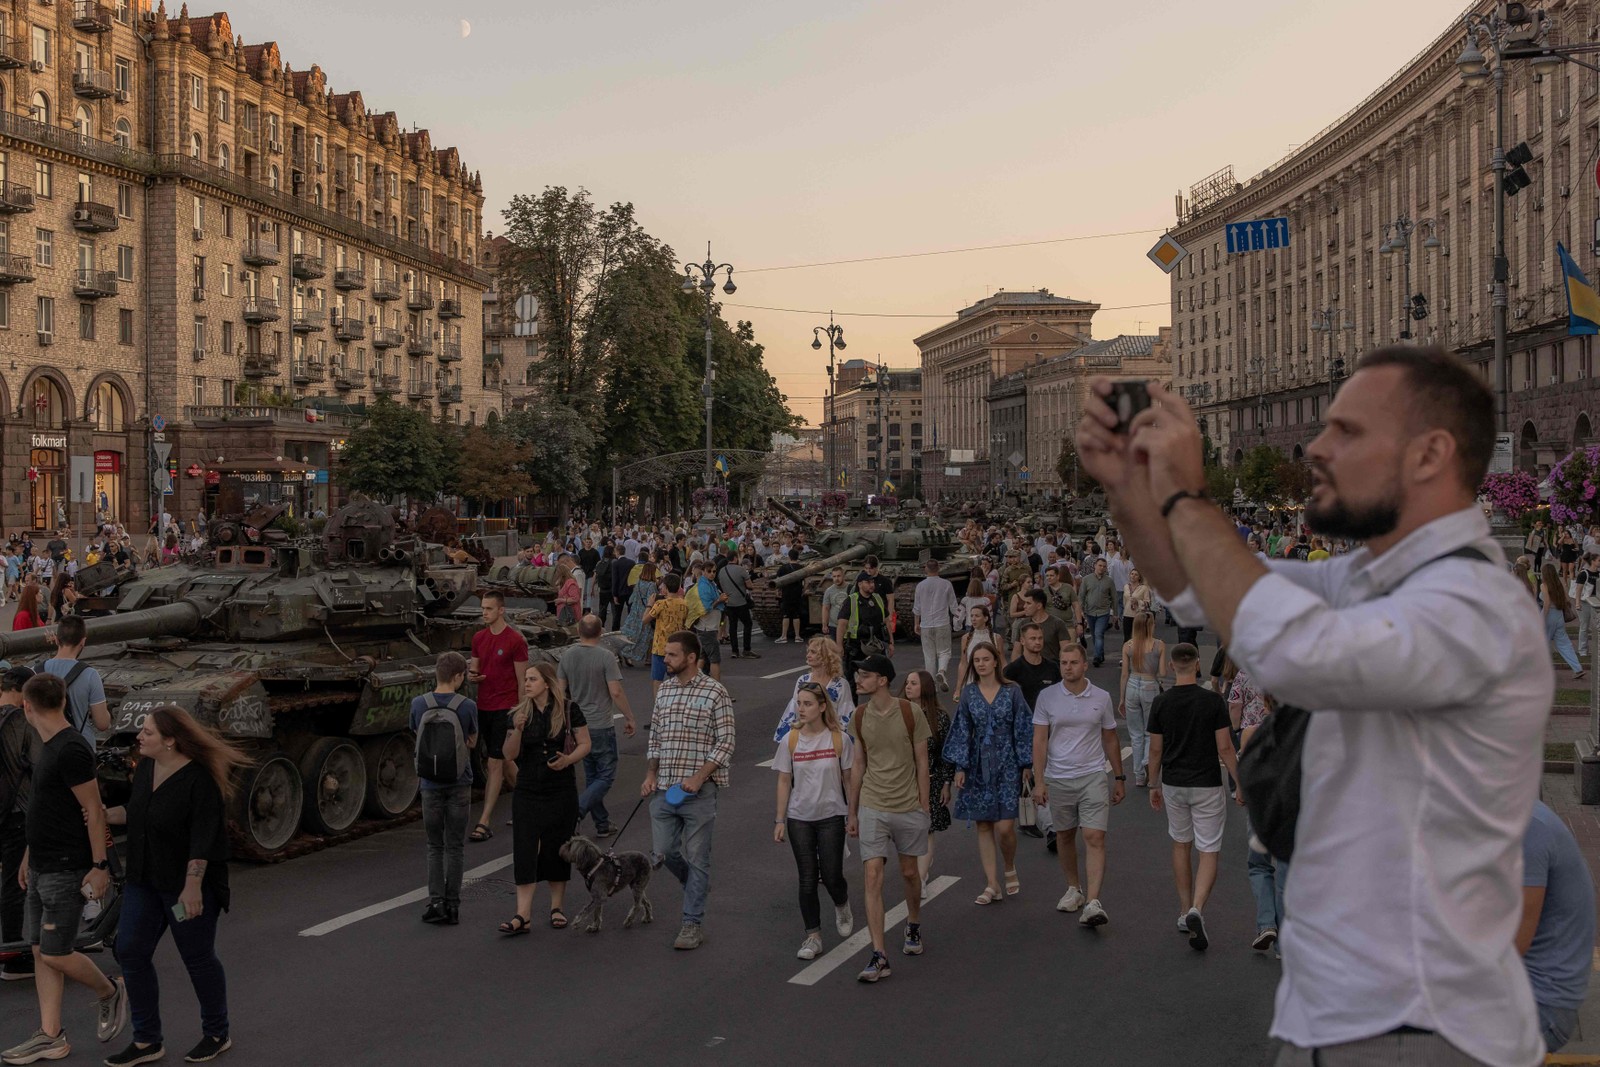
879	665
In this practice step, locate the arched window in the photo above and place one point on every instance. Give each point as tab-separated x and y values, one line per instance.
109	412
82	124
124	134
361	212
272	177
46	404
197	147
224	157
316	194
40	111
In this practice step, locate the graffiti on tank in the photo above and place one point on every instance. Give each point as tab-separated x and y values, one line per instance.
246	716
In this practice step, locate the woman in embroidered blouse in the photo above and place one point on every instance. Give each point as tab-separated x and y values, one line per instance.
822	656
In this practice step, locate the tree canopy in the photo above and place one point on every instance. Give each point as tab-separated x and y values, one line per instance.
398	451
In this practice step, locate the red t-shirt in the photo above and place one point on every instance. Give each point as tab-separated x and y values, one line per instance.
23	621
497	655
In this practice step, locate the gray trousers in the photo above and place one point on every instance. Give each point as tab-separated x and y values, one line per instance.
1398	1049
936	651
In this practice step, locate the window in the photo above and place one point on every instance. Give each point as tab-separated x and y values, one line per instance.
316	150
122	11
199	272
124	134
82	124
125	326
197	92
227	279
224	106
394	186
44	248
272	177
122	75
197	214
359	170
39	111
272	126
45	315
199	333
227	220
124	263
125	200
86	321
197	147
86	254
42	41
224	157
85	188
227	339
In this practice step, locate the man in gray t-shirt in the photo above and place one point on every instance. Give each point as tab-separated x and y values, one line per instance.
594	683
86	695
1097	595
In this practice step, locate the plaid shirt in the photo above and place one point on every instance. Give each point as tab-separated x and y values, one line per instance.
692	723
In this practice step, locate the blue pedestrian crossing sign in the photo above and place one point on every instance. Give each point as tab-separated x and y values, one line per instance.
1258	235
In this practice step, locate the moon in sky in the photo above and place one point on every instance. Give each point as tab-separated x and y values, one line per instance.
466	28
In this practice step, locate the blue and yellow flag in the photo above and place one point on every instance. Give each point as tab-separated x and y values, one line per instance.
1583	303
722	465
888	485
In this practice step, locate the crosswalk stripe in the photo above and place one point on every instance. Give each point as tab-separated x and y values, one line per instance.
416	896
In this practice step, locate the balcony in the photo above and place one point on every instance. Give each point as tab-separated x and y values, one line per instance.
210	416
385	384
259	309
349	329
419	388
13	53
383	337
92	84
90	217
93	284
345	380
384	289
260	364
419	346
91	17
14	269
305	265
249	138
449	351
494	326
491	296
493	353
340	178
450	394
15	197
449	308
308	371
419	300
308	320
349	278
259	253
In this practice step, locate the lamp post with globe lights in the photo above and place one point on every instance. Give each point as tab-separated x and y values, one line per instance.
703	276
835	342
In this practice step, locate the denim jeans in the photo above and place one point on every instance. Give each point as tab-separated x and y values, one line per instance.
1557	1025
1137	701
739	621
682	838
1267	879
146	915
599	772
819	856
1555	631
1098	624
445	812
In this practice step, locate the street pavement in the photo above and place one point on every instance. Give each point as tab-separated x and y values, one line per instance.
324	966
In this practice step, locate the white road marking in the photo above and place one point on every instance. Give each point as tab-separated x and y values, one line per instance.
619	715
1126	752
766	763
859	940
780	674
413	897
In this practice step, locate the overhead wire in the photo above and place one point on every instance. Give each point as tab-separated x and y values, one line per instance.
954	251
912	315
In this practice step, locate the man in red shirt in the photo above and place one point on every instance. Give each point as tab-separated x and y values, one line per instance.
499	661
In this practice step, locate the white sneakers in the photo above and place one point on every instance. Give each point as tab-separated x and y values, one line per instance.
810	947
843	921
1072	901
1093	915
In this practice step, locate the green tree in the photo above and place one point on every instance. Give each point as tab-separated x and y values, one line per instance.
555	441
1071	472
493	466
1294	480
1220	483
1259	475
398	452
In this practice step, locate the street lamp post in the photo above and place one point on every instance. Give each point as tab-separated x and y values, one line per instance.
835	335
1258	367
1397	238
1330	321
707	284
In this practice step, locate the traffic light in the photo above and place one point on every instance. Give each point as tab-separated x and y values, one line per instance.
1517	178
1419	306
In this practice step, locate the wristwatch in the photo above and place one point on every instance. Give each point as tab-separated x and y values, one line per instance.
1121	777
103	865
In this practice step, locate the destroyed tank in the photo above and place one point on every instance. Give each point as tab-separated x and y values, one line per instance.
902	542
304	652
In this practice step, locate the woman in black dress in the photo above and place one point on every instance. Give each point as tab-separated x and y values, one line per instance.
919	689
544	805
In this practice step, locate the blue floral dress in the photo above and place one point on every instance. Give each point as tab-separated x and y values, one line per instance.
634	626
991	742
838	692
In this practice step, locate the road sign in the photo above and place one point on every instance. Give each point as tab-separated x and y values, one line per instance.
1016	458
162	451
158	423
1500	461
81	491
1258	235
1168	253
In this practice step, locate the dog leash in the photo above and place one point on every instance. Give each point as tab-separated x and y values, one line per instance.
612	851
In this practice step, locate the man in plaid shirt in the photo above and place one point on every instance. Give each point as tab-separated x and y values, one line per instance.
691	746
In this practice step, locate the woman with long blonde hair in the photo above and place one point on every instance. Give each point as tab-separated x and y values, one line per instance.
827	670
1144	661
811	762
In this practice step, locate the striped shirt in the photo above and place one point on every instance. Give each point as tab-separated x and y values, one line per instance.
692	723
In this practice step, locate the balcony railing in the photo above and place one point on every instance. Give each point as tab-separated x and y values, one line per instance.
13	53
419	300
91	17
349	278
249	138
383	337
419	388
259	253
261	309
15	197
450	394
91	217
94	284
349	328
385	384
14	269
260	364
419	346
344	380
210	415
306	265
449	351
92	84
494	326
449	308
493	352
385	289
309	320
42	133
307	371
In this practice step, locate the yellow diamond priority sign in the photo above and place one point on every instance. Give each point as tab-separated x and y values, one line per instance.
1167	253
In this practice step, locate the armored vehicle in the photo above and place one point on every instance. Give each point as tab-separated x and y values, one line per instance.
304	652
901	544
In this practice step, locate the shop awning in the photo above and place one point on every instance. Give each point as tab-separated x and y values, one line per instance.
260	464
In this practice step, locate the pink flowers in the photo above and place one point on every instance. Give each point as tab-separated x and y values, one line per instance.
1514	493
1572	486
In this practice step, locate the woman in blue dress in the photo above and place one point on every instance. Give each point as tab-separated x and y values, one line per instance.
634	626
990	743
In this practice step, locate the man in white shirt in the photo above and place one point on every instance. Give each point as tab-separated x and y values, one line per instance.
1428	683
932	606
1074	734
1118	567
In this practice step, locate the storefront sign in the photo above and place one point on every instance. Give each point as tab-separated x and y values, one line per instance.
194	470
108	462
45	440
256	478
322	476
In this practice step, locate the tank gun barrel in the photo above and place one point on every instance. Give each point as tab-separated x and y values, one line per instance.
817	566
788	512
178	618
537	581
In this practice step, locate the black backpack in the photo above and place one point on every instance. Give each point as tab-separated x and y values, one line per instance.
441	742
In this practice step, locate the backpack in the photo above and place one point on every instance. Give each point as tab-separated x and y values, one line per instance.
441	744
79	717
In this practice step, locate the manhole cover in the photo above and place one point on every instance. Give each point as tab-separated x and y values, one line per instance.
488	887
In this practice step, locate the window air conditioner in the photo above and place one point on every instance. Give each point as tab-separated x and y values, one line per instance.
37	66
46	338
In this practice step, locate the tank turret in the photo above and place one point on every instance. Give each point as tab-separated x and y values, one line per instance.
826	563
785	510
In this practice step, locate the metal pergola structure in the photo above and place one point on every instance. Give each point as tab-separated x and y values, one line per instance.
676	472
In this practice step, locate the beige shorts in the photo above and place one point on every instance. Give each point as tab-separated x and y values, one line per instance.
883	833
1196	813
1083	801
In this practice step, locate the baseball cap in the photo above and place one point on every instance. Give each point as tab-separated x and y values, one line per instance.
879	665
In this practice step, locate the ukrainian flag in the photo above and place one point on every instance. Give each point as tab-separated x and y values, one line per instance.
888	485
722	465
1583	303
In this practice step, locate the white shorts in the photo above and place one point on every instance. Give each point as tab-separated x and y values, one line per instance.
1196	813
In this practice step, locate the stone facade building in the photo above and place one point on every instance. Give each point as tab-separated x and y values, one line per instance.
1259	336
877	431
198	243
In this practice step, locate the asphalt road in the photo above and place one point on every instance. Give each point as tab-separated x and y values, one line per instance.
1014	983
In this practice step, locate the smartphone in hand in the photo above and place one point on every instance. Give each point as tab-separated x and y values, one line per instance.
1127	398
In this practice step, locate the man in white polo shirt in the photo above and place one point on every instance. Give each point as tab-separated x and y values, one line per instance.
1074	723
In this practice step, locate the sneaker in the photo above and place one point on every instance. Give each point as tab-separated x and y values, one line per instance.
690	936
608	830
877	967
433	913
1197	930
113	1012
810	947
41	1046
208	1049
752	655
136	1053
1031	831
17	971
1183	924
944	686
1093	915
843	920
1265	939
780	641
1071	900
912	945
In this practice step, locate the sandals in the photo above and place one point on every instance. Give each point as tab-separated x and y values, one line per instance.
989	896
1013	887
558	919
481	832
517	924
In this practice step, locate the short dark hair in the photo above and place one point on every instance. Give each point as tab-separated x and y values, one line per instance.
1185	653
1038	597
674	583
71	631
449	666
1029	627
871	561
14	678
497	597
687	642
1446	395
45	692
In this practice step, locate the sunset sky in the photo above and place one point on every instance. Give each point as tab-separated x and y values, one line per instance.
792	134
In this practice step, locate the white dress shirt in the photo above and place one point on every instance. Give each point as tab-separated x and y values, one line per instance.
934	601
1421	767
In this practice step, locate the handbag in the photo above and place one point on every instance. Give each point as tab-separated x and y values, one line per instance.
1027	810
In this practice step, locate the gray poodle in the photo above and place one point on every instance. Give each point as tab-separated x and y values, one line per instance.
605	873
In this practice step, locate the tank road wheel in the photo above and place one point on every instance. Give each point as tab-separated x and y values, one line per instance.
905	595
391	775
335	777
767	609
267	808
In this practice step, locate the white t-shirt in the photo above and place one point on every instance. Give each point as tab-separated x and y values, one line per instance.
818	789
1075	721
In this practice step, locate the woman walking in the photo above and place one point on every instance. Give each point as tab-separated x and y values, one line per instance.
1567	555
1144	661
919	689
975	598
811	764
825	663
547	737
1136	598
27	616
569	595
980	633
990	742
1020	608
635	629
177	876
1558	611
